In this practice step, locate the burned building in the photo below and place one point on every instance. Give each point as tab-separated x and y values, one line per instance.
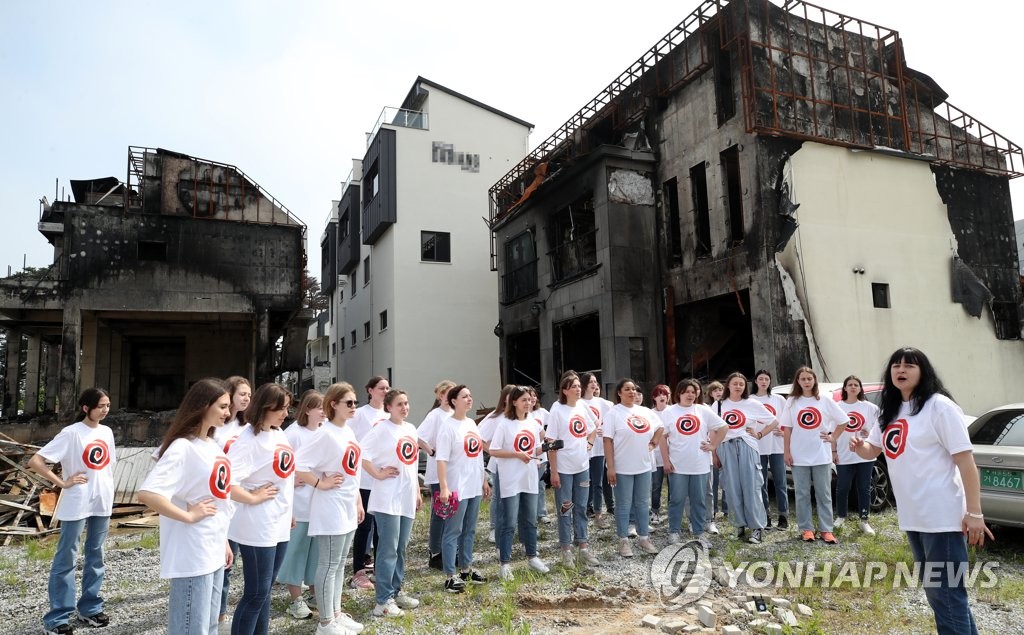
187	269
766	187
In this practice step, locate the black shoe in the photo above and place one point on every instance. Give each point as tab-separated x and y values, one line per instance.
472	576
60	629
740	532
436	562
769	524
590	512
755	537
96	621
454	585
783	522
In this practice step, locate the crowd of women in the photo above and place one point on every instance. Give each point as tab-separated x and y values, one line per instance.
292	503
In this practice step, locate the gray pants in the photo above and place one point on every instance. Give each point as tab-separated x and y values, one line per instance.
821	477
741	480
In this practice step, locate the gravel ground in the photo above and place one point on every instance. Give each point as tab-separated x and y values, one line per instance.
611	598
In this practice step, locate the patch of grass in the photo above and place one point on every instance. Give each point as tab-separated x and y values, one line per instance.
37	550
150	540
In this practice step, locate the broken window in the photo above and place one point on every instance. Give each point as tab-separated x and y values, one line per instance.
520	276
1007	322
733	190
880	295
435	246
152	250
574	236
702	213
725	97
675	246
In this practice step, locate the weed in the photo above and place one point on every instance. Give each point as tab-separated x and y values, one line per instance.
37	550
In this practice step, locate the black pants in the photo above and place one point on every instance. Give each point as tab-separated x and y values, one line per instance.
361	541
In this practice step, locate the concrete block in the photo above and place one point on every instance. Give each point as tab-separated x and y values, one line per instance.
707	617
804	610
758	623
706	604
773	629
692	628
691	611
750	607
673	627
737	613
786	616
731	630
781	602
650	621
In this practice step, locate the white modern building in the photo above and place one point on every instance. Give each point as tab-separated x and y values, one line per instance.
406	256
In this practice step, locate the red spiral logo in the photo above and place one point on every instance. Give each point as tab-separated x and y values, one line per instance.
220	478
770	408
734	419
472	445
524	442
894	438
688	424
638	424
96	455
577	427
406	450
856	423
808	418
350	458
229	443
284	460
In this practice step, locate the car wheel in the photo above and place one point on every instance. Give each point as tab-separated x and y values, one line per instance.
881	487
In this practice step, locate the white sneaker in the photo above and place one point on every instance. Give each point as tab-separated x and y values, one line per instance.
624	549
346	622
866	528
505	572
673	539
838	522
646	544
588	557
713	528
405	601
388	609
538	565
632	531
299	610
547	520
224	626
333	628
567	558
490	537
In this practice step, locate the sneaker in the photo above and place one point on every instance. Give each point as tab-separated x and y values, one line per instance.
505	572
567	559
829	538
331	628
472	576
755	537
406	601
866	528
783	523
603	522
490	537
547	520
713	529
299	609
646	544
632	531
361	581
537	565
98	620
807	536
590	512
388	609
624	549
224	626
60	629
368	564
346	623
769	524
655	518
838	522
673	539
435	562
740	532
588	558
310	601
454	585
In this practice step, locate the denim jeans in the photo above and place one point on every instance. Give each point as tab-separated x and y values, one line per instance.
436	524
366	534
259	569
495	503
607	490
332	551
62	572
459	534
657	478
633	496
682	487
519	509
777	464
542	501
194	603
947	599
712	500
858	474
596	496
820	476
574	489
393	538
226	583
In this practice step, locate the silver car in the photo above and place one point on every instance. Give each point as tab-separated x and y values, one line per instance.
998	438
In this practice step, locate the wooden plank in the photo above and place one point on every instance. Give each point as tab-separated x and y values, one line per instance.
17	519
33	477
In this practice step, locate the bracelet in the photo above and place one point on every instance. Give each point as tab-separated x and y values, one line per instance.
973	515
317	483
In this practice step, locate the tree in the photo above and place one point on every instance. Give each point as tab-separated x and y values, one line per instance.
312	296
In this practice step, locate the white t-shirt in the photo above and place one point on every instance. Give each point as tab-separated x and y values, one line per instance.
81	448
808	417
297	437
515	476
390	445
428	432
334	450
631	431
771	443
227	433
486	430
656	460
686	428
258	459
366	417
571	425
460	446
863	416
540	415
925	480
192	470
743	414
597	406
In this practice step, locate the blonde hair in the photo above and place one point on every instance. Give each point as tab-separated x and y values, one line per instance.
334	393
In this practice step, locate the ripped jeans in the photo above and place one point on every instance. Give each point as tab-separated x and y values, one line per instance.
572	494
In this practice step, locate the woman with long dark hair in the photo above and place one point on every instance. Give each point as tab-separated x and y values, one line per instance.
85	451
601	496
486	429
772	449
935	481
240	393
853	470
190	488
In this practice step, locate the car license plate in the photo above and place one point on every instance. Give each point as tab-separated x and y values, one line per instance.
1002	479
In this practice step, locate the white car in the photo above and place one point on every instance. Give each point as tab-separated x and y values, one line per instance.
998	438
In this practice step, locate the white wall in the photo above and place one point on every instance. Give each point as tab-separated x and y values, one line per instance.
882	213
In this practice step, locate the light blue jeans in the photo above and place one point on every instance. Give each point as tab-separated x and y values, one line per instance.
777	464
62	572
332	551
436	524
948	600
459	534
194	604
633	498
392	540
496	510
575	489
520	509
687	486
821	477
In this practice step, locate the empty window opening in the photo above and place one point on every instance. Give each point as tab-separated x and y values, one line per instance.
675	245
702	214
733	190
725	97
574	239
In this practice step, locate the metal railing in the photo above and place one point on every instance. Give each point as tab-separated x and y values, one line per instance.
398	117
519	282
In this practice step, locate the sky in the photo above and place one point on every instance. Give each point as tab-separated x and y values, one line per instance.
286	91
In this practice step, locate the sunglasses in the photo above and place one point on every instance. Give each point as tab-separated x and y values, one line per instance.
351	403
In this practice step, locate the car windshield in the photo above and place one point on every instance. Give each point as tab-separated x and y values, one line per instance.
1002	428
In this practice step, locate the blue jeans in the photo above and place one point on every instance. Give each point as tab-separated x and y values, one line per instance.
459	534
713	496
633	496
657	478
259	569
194	603
62	571
777	463
821	477
596	497
520	509
608	491
495	503
226	584
542	502
436	524
948	600
687	486
574	489
332	551
393	538
858	474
